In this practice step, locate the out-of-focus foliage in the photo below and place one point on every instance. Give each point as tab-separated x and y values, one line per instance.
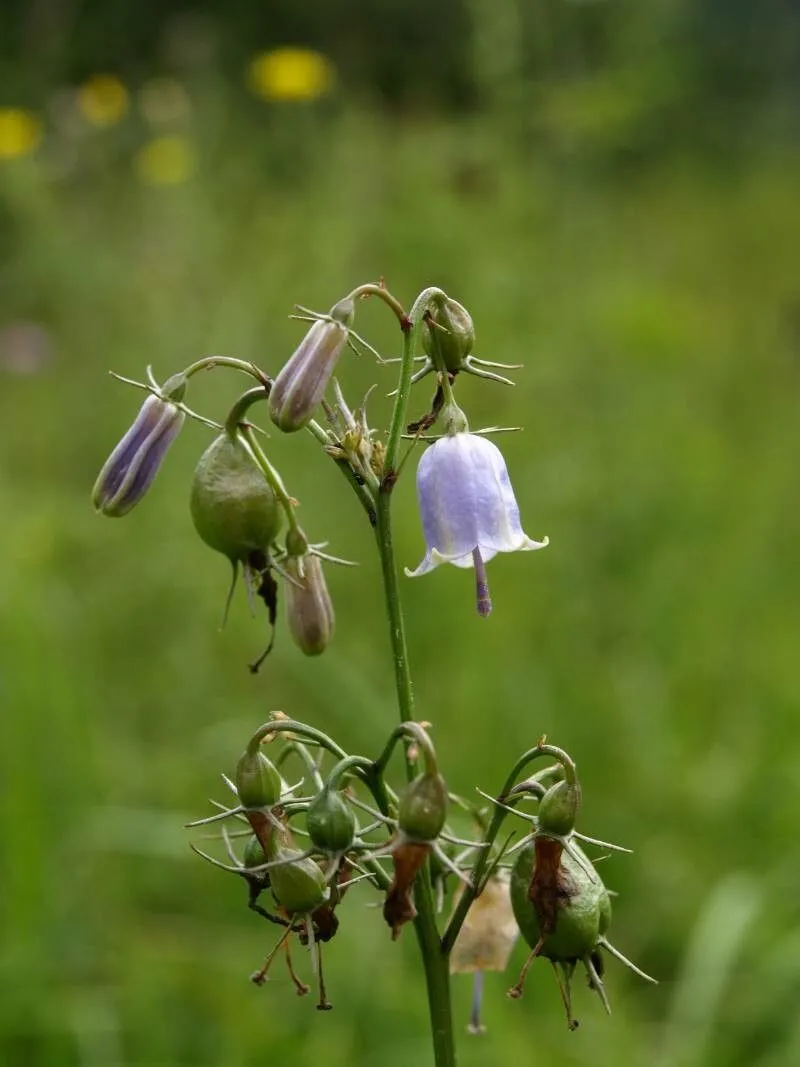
617	207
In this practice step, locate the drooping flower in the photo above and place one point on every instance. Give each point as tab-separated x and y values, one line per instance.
301	383
468	508
130	469
309	609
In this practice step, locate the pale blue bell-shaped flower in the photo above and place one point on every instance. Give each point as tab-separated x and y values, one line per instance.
468	508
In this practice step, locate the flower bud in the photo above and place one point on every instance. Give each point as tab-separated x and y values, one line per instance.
233	506
448	335
303	379
129	471
309	610
257	781
297	881
330	822
558	808
423	808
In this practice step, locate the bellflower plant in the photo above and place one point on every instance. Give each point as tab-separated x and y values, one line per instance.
303	851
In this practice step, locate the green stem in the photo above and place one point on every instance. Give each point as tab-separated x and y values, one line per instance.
370	289
247	436
435	962
210	362
411	329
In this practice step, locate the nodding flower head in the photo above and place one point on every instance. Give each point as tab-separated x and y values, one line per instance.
469	511
309	608
131	468
301	383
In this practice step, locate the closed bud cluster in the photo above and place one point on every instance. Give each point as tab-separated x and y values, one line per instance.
300	385
131	468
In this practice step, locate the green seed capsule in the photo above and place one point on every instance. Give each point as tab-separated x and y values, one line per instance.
423	808
257	781
330	822
582	916
558	809
298	884
233	506
449	341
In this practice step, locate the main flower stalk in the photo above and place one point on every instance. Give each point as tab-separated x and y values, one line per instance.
434	960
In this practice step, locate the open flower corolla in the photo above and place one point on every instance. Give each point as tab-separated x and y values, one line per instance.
468	508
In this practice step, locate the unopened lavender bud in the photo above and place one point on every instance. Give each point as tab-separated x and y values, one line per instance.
129	471
448	335
301	383
309	609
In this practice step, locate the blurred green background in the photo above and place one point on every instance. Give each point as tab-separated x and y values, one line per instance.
611	189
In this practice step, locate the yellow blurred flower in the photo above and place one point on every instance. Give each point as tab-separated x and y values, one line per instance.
103	100
166	161
290	74
20	132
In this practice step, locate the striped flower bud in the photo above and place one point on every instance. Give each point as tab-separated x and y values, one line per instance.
129	471
309	610
302	381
